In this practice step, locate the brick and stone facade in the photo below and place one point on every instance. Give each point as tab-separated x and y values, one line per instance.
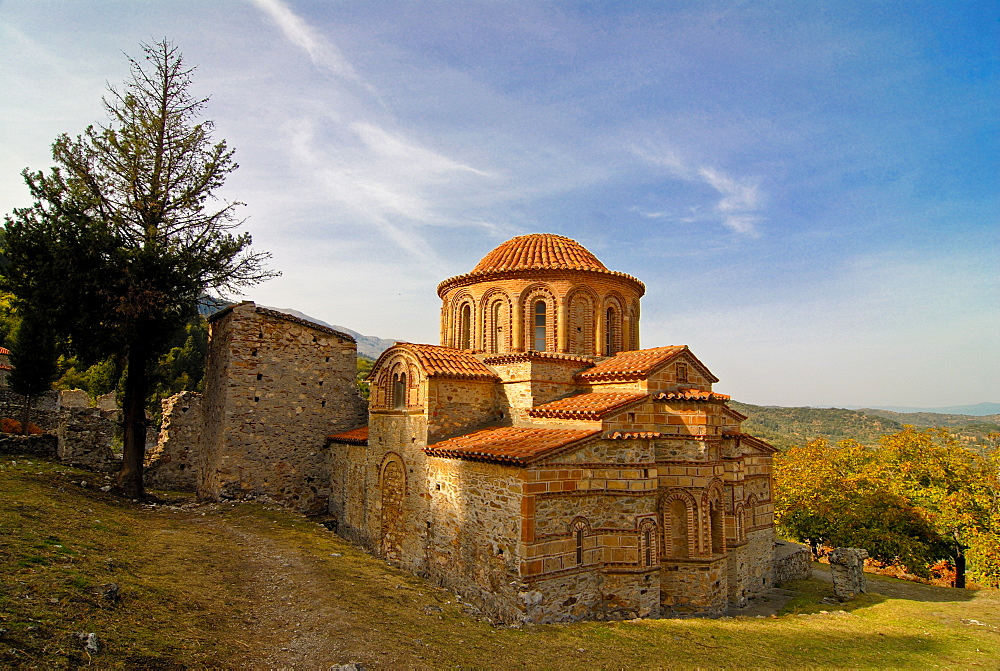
543	466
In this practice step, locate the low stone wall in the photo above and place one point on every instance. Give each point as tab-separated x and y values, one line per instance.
85	436
37	446
791	562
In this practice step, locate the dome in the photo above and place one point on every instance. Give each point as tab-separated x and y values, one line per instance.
539	251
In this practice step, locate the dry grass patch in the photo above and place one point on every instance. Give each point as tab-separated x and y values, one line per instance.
252	586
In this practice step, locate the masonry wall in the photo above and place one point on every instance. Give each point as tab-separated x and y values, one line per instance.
457	406
473	540
171	463
276	386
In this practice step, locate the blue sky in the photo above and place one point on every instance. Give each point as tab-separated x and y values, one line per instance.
809	190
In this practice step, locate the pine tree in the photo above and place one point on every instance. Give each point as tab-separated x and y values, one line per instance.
125	235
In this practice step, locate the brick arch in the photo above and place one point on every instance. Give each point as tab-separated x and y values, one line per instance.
713	519
582	324
612	320
529	298
496	316
678	512
392	490
391	372
632	325
579	530
739	523
463	321
647	542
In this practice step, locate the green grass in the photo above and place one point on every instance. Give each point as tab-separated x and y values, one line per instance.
192	586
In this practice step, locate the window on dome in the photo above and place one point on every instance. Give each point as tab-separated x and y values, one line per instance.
540	309
465	328
610	331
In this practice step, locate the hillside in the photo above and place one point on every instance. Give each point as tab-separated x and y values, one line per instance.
246	585
785	427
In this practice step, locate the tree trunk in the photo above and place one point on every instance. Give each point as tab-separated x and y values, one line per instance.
26	416
129	479
960	567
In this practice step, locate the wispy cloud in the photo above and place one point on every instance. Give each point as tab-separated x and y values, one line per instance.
741	198
322	52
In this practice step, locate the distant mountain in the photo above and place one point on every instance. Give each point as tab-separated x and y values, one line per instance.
369	347
978	410
785	427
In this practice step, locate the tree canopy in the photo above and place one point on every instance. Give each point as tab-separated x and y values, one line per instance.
917	497
126	233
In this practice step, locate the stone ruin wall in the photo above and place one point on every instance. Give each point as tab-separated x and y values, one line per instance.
170	463
275	387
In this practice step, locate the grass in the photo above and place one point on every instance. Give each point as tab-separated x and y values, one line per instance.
228	585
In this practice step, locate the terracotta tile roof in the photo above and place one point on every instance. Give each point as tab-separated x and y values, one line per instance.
753	441
440	361
690	395
352	437
632	435
509	445
633	365
539	250
4	350
4	366
585	406
519	357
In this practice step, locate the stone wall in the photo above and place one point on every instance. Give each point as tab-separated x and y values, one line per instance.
275	387
85	436
44	445
791	562
170	463
457	406
44	409
473	540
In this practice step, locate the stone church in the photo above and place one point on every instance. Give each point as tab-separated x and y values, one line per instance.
537	461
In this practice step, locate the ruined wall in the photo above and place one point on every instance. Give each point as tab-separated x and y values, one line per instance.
170	464
791	562
276	386
85	436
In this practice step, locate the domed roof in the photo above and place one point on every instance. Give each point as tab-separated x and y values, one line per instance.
534	253
539	251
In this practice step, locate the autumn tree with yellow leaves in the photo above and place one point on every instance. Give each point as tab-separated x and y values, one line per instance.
915	498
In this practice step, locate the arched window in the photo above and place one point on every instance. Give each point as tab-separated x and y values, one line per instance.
647	540
495	331
579	533
611	331
539	311
465	327
399	391
718	530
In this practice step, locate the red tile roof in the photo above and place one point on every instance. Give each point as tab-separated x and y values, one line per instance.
590	407
439	361
4	350
690	395
509	445
632	365
519	357
753	441
539	250
352	437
